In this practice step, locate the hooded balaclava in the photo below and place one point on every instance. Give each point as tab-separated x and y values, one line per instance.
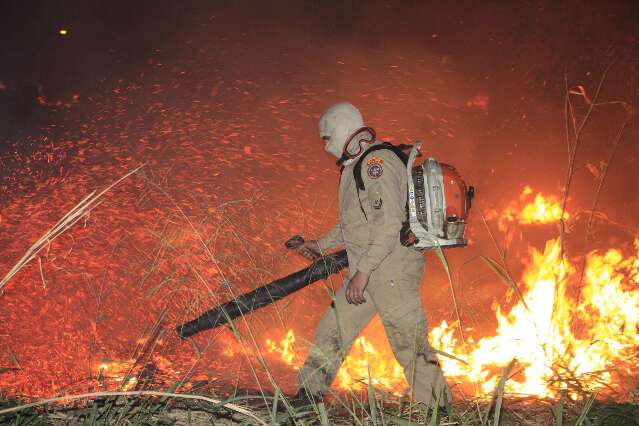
338	124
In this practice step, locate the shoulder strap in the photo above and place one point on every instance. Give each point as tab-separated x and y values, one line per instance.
357	169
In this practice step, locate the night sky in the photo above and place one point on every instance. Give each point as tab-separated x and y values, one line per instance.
506	49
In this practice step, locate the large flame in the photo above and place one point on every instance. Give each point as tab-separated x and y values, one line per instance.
569	331
559	340
540	210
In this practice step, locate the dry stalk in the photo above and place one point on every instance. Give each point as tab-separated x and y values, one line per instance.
68	220
216	262
232	407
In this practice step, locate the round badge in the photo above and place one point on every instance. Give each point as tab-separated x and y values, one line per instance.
375	171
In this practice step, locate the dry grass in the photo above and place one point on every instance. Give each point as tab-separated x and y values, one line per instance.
369	408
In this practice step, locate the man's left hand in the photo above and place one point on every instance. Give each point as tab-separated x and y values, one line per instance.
356	287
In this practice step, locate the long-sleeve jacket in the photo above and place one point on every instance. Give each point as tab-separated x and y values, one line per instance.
371	236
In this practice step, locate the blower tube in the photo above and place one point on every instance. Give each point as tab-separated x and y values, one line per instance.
265	295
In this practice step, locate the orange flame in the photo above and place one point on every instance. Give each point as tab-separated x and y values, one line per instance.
117	371
285	348
541	210
364	362
553	336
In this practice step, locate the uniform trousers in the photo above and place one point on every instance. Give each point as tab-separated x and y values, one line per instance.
398	302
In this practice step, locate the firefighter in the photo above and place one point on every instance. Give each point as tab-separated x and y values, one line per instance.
383	277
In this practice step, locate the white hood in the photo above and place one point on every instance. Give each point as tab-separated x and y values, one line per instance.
338	123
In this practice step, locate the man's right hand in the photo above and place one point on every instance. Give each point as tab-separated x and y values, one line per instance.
310	250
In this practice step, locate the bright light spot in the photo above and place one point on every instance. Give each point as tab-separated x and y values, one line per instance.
541	209
63	32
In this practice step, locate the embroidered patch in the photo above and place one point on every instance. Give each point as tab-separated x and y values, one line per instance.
375	171
374	160
377	203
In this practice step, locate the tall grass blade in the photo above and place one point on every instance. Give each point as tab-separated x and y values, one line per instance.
323	414
434	418
276	398
94	414
372	402
587	406
444	261
558	410
500	392
497	268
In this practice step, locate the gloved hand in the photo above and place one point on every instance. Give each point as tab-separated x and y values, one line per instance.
310	250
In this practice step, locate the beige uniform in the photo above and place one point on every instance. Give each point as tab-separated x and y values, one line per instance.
372	243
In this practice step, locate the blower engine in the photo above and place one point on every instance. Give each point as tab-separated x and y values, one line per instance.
438	204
